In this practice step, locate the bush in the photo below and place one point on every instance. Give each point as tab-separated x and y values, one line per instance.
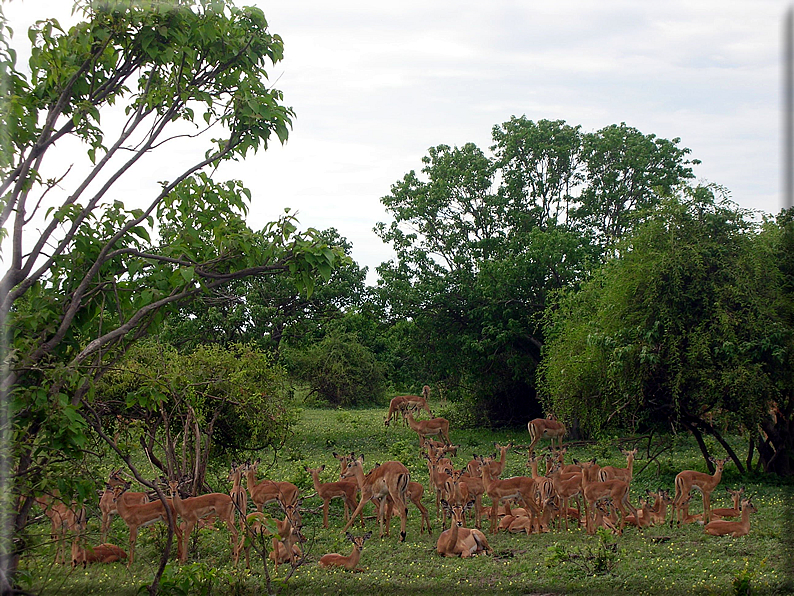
341	371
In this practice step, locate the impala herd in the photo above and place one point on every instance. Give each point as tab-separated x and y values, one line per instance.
579	492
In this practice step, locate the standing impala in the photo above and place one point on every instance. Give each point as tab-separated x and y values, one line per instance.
195	508
593	490
624	474
136	516
108	507
545	428
705	483
388	480
238	495
343	489
269	491
429	428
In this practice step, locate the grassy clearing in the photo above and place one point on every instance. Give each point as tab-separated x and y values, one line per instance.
660	561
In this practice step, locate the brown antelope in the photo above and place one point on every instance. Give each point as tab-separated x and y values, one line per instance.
268	491
721	527
429	428
519	487
192	509
438	479
238	495
459	541
439	445
705	483
349	562
63	520
286	544
545	428
390	479
624	474
497	467
103	553
108	507
406	403
734	511
593	490
343	489
474	467
140	515
566	486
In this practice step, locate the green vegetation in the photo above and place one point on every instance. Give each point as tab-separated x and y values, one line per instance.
662	560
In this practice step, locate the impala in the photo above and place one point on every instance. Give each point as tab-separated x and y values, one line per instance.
343	489
593	490
390	479
519	487
63	519
624	474
705	483
238	495
108	507
566	486
438	479
459	541
349	562
195	508
286	545
103	553
545	428
428	428
721	527
137	516
497	467
268	491
734	511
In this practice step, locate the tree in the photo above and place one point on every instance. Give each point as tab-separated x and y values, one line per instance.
265	310
681	326
87	276
628	174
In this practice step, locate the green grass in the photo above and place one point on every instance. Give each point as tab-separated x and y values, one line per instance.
660	561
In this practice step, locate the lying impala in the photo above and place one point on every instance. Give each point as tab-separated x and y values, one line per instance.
734	511
349	562
722	527
459	541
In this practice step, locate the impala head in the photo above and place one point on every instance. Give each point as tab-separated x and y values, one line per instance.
358	541
735	493
457	512
119	490
720	463
748	504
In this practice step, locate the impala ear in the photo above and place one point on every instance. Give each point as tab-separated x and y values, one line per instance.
322	467
367	536
350	537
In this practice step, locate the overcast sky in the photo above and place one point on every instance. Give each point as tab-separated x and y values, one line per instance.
374	85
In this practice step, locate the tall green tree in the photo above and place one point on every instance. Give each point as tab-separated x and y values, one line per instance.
264	310
681	327
628	173
87	276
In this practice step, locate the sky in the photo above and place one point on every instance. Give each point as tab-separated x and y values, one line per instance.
374	85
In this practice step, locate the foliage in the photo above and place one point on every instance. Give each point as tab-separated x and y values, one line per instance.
214	401
86	275
681	326
267	309
482	241
588	560
341	370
